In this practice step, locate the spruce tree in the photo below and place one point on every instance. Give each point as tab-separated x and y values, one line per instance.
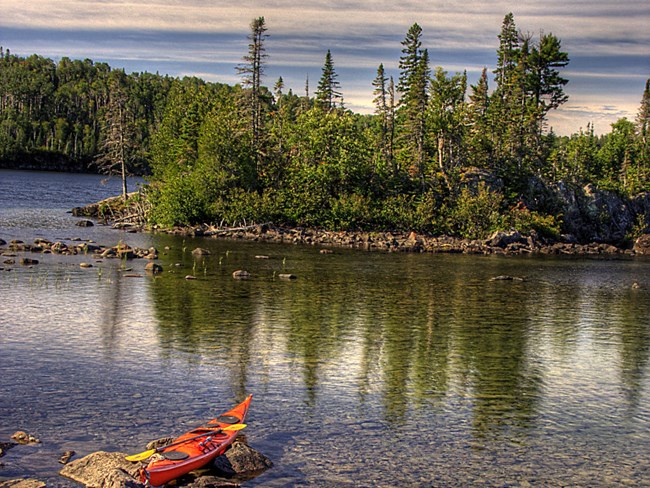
328	94
385	109
643	121
252	71
412	85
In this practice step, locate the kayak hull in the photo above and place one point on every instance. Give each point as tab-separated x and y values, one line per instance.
210	442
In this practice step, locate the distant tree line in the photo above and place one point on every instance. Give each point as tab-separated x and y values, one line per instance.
61	112
436	156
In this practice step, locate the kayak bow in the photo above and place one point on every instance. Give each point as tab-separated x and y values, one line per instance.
195	448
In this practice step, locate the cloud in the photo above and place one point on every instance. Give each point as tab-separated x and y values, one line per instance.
607	42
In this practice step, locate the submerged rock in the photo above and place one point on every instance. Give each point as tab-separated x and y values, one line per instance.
153	268
241	274
66	456
22	483
24	438
506	278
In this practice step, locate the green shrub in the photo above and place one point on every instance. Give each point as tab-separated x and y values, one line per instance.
476	214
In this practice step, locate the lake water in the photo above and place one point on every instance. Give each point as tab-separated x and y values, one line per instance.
367	370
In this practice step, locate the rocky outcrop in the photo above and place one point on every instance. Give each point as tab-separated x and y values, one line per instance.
239	459
642	245
112	470
594	215
101	468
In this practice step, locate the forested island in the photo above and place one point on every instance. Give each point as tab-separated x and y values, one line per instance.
438	156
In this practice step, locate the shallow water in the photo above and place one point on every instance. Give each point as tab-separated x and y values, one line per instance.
368	370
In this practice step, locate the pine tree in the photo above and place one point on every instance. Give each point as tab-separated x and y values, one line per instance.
643	122
328	94
447	113
252	71
385	109
507	56
479	123
412	85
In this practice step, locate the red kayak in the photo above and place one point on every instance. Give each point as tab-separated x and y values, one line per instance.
195	448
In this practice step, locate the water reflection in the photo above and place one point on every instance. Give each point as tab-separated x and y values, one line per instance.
417	330
434	373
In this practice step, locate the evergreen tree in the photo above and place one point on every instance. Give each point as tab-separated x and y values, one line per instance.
643	123
252	71
479	147
446	121
412	85
328	94
385	109
507	56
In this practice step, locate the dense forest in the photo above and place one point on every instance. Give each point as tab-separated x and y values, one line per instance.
437	156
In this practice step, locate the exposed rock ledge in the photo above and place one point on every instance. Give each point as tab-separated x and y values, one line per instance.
111	470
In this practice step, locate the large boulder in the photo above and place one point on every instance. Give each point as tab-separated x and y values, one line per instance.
596	215
241	459
642	245
103	470
504	239
475	178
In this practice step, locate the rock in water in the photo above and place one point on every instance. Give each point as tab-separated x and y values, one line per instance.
153	268
105	469
642	245
66	457
241	459
24	438
22	483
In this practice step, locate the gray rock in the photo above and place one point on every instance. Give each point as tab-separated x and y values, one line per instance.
201	252
212	482
287	276
24	438
153	268
241	459
22	483
506	278
642	245
504	239
118	478
160	442
241	274
84	223
98	470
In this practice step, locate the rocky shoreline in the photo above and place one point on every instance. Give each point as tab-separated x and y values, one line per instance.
111	470
500	243
511	242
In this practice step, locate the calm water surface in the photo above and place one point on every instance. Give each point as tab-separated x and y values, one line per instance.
368	370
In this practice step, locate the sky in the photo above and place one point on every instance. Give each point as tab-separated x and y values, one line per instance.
608	42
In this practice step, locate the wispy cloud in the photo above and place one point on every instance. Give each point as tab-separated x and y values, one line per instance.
607	41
